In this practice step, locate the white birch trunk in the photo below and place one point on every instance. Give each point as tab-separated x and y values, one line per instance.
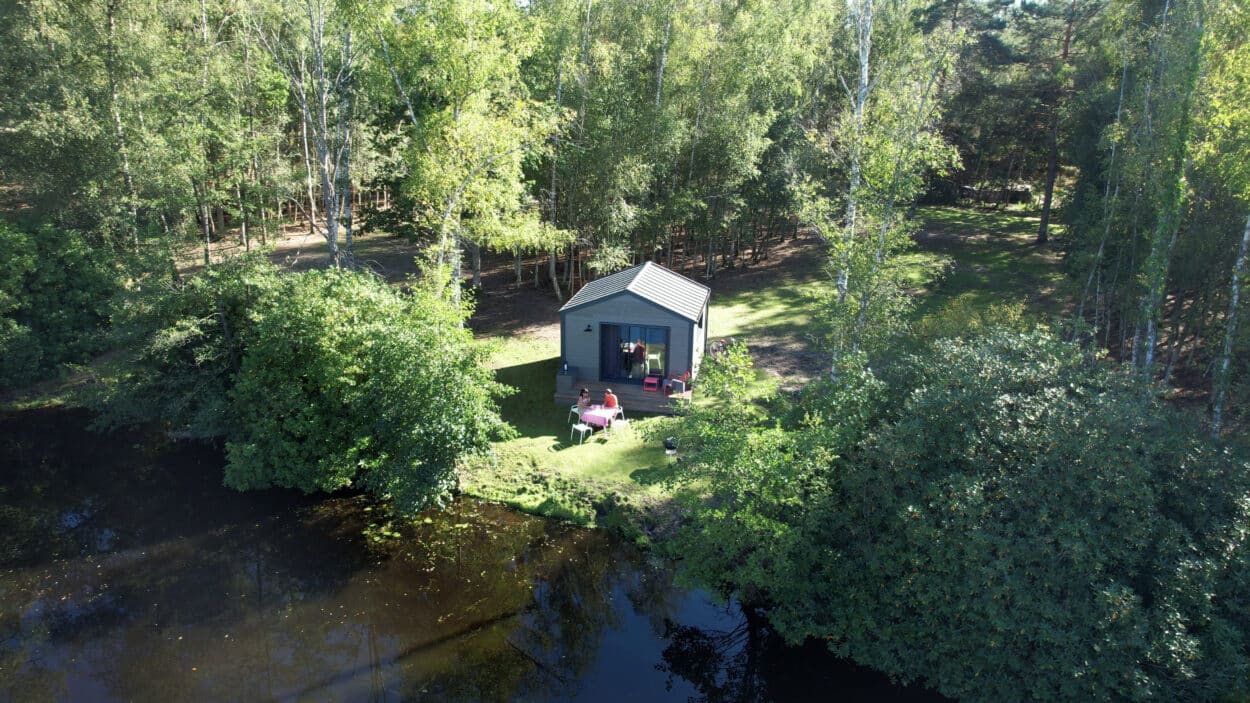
863	10
1230	333
1109	196
123	151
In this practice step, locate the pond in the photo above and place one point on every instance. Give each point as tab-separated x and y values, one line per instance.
127	572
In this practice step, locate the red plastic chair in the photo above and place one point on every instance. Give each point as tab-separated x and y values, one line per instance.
684	377
651	384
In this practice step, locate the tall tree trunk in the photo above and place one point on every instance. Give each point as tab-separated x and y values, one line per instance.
1109	196
659	73
243	234
308	170
1220	386
1052	138
475	250
202	208
343	164
551	273
123	149
905	145
1172	197
1173	342
863	14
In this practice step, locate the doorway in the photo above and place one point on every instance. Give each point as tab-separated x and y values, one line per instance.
629	353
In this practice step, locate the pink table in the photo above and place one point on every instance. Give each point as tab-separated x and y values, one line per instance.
599	417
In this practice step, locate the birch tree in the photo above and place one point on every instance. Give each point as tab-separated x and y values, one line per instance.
472	127
1224	130
313	47
880	142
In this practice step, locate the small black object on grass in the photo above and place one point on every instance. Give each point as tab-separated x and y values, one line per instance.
670	446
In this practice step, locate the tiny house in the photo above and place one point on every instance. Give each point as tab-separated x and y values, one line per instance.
620	329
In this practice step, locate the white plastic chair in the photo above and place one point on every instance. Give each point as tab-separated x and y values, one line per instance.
653	363
582	428
575	409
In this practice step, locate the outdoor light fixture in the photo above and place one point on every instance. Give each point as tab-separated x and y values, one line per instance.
589	328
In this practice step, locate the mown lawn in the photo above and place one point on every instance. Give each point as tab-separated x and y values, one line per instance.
966	262
542	470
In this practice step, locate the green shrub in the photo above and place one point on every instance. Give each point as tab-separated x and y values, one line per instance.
55	292
185	344
1030	524
318	381
346	382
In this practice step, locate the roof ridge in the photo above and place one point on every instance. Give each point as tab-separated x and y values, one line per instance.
651	281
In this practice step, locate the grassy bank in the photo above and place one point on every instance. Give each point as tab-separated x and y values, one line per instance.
546	472
988	259
967	263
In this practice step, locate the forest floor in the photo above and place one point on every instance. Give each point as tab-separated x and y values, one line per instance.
766	304
966	261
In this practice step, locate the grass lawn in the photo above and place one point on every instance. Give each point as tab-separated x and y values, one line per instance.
991	260
542	470
988	257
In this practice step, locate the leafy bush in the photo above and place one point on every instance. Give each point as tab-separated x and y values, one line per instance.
318	380
1014	520
55	290
345	381
1032	524
186	343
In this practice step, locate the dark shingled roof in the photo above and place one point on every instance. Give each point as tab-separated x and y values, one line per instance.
650	281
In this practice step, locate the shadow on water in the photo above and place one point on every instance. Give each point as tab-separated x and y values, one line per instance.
129	573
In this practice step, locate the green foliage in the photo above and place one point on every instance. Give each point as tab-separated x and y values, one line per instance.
318	381
1000	514
55	289
186	343
1032	514
345	382
749	476
966	315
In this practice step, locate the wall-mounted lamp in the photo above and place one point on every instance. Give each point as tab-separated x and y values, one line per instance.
589	328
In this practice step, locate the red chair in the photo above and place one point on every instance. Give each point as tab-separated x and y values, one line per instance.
683	377
651	384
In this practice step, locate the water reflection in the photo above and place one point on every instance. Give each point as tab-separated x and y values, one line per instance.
129	573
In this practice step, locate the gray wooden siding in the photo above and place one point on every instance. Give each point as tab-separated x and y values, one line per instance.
700	341
581	348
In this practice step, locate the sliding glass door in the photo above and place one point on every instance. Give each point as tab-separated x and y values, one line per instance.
629	353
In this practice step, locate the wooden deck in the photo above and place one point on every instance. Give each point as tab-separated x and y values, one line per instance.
631	397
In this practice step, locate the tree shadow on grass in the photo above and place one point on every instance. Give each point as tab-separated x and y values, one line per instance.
652	475
532	409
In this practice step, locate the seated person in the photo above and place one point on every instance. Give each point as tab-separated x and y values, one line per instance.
583	400
609	399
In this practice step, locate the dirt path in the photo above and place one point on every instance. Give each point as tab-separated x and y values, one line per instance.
505	309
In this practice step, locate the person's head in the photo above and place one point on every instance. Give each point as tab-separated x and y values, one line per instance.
608	391
585	392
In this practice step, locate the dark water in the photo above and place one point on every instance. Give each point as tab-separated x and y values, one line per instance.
128	573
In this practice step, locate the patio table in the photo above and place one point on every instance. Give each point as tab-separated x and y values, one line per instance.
599	417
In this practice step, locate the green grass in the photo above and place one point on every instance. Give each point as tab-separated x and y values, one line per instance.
992	262
543	470
782	309
971	264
